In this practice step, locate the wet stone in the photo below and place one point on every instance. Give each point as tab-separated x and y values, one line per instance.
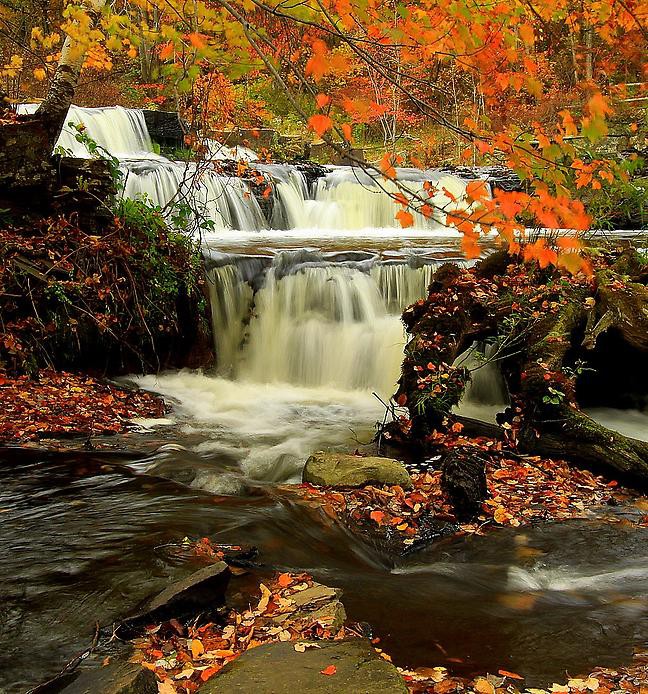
343	470
317	604
116	678
277	668
202	590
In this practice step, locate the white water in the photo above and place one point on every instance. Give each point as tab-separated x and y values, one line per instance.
298	360
302	340
345	198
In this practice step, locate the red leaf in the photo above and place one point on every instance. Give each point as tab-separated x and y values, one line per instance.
329	670
512	675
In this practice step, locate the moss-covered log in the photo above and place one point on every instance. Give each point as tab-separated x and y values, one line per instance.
550	328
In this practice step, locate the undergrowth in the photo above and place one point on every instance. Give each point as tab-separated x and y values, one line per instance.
128	297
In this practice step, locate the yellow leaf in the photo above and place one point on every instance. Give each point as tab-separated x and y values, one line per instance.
483	686
40	74
197	649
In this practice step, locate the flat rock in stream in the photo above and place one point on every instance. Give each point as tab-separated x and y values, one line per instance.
201	591
276	668
116	678
318	603
344	470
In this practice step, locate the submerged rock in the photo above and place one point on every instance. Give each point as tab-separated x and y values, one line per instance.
276	668
343	470
116	678
201	591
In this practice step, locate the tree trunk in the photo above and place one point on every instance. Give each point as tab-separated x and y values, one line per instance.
53	110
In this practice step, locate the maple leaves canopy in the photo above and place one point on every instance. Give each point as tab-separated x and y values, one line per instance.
328	50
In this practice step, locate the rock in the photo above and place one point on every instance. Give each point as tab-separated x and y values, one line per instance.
116	678
318	603
277	668
201	591
342	470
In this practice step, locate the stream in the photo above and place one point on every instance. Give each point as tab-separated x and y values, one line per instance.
306	313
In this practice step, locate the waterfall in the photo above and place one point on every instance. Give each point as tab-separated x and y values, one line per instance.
312	323
486	393
342	198
118	130
221	202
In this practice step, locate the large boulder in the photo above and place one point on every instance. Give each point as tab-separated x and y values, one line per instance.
116	678
276	668
343	470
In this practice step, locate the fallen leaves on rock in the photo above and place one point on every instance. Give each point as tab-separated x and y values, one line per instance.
63	404
522	490
185	657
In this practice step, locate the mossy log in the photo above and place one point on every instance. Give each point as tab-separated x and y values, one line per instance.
557	427
550	329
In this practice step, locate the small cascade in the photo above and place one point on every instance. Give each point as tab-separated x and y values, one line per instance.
486	394
221	202
352	198
118	130
313	323
323	326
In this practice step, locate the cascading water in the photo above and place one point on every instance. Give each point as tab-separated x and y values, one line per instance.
301	342
343	198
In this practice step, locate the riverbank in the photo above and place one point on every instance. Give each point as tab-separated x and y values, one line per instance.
55	404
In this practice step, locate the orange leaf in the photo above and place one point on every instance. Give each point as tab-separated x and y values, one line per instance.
512	675
329	670
320	123
166	51
196	40
347	132
477	190
322	100
378	517
405	218
387	166
197	649
285	580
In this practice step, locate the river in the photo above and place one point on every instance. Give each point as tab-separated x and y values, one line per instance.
306	313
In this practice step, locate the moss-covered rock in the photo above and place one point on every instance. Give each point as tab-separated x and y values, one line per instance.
277	668
343	470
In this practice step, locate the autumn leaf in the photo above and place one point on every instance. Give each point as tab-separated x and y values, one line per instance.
265	598
166	50
483	686
197	649
378	517
40	74
347	131
285	580
387	166
322	100
329	670
320	123
511	675
405	218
